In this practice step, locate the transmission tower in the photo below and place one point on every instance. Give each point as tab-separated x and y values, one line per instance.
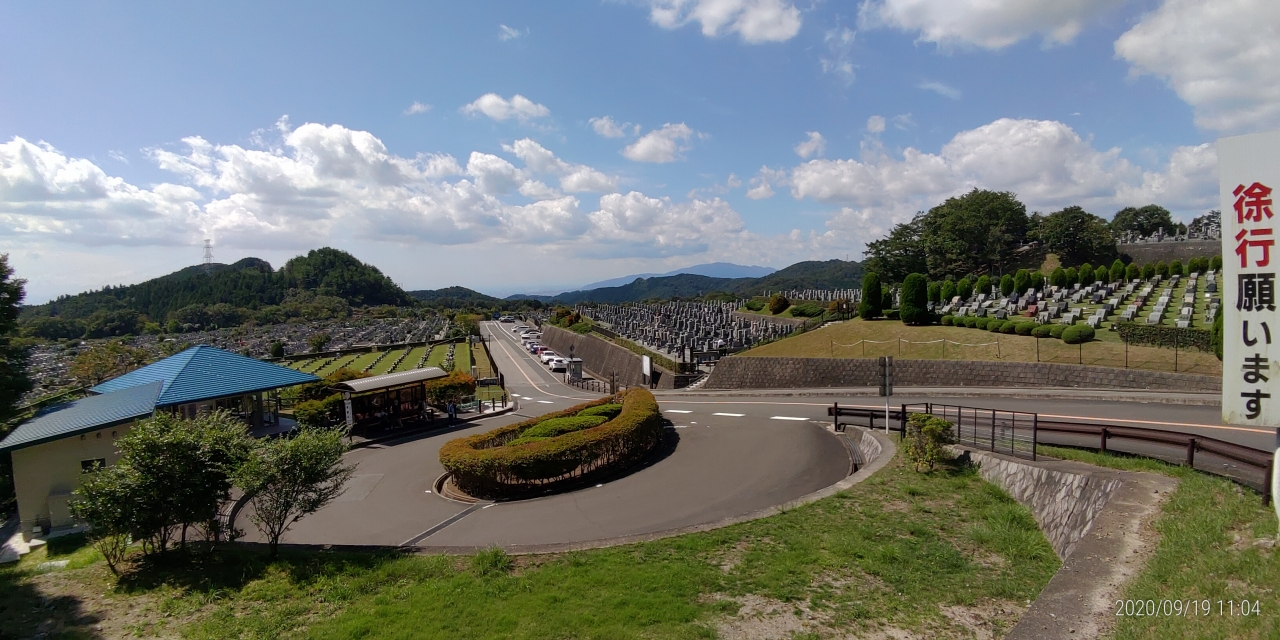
208	255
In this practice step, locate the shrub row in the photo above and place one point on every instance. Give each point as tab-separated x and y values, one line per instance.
1071	334
1164	336
490	465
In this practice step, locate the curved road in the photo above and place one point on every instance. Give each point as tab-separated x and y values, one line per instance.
735	454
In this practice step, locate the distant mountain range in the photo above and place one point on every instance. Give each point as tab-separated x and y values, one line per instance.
711	269
831	274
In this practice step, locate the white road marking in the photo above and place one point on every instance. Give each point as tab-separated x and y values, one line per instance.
730	415
786	418
678	411
546	402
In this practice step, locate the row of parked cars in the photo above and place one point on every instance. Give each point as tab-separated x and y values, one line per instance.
531	338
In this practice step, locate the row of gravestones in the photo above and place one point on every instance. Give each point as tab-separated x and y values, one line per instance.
678	328
824	295
1055	303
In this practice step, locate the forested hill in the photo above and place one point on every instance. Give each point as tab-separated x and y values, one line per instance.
831	274
231	293
455	297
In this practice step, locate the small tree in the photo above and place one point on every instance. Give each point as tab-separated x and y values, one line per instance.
277	349
291	478
1086	274
318	341
1148	271
1058	278
1073	276
1175	268
1132	272
1117	271
1006	284
948	291
1162	269
964	288
983	286
1195	265
778	304
935	292
915	303
926	437
1216	263
106	360
1021	281
870	306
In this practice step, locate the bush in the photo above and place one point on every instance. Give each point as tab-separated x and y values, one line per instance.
755	305
1024	328
1217	336
1006	284
1077	333
1009	326
1116	273
483	467
983	285
1216	263
935	292
807	310
778	304
1132	272
915	301
1058	278
451	388
926	437
609	411
1055	330
1086	274
948	291
1021	281
964	288
995	325
560	426
947	320
870	306
892	314
970	322
1042	331
1073	276
981	323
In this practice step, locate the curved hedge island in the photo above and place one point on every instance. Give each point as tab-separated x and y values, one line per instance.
536	455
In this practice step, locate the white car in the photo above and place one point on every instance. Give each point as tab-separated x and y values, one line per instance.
547	355
518	328
558	364
531	337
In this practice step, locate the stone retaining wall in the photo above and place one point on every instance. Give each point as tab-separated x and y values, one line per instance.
868	445
1144	252
601	357
749	372
1064	504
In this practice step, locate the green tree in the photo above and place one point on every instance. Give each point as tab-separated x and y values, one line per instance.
1195	265
1132	272
1075	235
1117	271
1058	278
948	291
318	341
935	292
1143	220
1086	274
900	253
870	306
915	299
983	285
106	360
1021	281
1175	268
778	304
277	349
13	357
1073	276
1148	270
1006	284
1162	269
976	232
290	478
1216	263
964	288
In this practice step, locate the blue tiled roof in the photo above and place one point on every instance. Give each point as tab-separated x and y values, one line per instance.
87	414
204	372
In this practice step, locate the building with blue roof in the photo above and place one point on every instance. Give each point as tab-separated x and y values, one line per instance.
52	450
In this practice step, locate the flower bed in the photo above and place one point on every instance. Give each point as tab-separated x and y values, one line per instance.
557	448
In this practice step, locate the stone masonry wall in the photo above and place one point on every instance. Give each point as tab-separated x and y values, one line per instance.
749	372
1064	504
601	357
1144	252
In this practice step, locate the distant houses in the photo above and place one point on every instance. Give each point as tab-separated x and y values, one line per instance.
51	451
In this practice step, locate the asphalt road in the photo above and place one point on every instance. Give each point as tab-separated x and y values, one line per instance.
735	454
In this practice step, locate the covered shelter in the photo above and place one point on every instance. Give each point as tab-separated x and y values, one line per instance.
387	399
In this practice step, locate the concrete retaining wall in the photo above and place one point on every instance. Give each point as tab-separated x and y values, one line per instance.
748	372
868	445
601	357
1144	252
1064	504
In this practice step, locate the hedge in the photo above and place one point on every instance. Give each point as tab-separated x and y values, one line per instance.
947	321
1024	328
1156	335
485	466
1077	333
1008	326
1055	331
995	325
981	323
1042	331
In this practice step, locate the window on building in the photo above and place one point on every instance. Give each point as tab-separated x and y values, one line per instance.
89	466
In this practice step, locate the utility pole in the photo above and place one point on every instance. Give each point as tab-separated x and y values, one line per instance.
885	366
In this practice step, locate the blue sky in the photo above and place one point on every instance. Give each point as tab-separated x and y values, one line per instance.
533	146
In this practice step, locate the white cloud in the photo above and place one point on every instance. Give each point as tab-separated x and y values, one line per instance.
839	51
609	128
573	177
498	108
941	89
660	145
118	156
506	33
812	146
989	24
633	222
761	191
754	21
875	124
416	108
904	121
760	184
1221	57
1046	163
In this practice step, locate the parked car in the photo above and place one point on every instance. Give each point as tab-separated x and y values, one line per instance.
518	328
506	319
558	364
532	347
547	355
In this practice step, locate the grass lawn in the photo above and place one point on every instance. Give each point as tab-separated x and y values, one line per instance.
363	360
436	356
411	361
1107	350
942	555
1217	543
338	363
462	357
482	362
384	365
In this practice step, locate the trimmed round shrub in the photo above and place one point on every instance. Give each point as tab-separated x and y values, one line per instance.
891	314
970	322
1132	272
983	285
870	306
1021	281
1073	276
778	304
981	323
964	288
609	411
1042	331
487	465
995	325
1055	330
1085	275
947	320
807	310
1006	284
1024	328
948	291
1009	326
1077	333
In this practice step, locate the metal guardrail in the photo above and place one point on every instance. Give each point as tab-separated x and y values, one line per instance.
592	385
1019	434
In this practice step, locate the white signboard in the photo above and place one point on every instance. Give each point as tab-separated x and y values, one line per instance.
646	365
1249	171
